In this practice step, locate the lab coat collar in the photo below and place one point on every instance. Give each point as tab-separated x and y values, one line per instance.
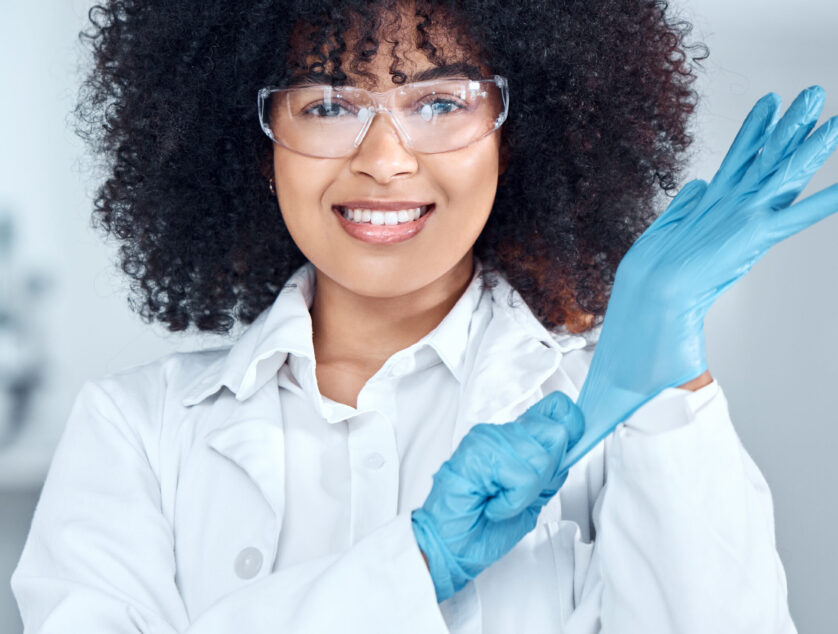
506	355
286	328
263	347
515	356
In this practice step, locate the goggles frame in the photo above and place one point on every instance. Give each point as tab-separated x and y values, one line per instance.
381	101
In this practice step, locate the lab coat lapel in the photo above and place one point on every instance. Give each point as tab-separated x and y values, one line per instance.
506	367
514	357
253	439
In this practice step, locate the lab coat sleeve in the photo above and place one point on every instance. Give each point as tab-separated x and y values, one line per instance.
99	556
684	526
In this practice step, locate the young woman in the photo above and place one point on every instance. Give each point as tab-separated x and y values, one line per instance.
430	422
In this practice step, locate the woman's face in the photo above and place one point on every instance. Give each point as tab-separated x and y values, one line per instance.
460	184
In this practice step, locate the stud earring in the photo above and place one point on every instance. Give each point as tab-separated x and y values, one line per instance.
271	185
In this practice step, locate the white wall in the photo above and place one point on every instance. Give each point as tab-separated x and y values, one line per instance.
770	339
89	327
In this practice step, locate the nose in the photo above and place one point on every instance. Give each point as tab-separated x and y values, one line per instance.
382	155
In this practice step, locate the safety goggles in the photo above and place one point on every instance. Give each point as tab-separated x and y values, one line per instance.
430	116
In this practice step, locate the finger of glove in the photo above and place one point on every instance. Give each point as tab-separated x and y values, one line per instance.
787	222
795	173
519	473
789	133
541	419
759	123
680	206
489	459
555	436
552	488
546	420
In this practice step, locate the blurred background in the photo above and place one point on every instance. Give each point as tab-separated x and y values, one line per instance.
771	342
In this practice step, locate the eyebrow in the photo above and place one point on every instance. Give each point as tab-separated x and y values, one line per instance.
456	69
470	71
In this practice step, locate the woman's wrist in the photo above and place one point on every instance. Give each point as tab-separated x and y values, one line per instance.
698	382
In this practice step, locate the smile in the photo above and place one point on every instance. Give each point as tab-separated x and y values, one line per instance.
383	217
378	226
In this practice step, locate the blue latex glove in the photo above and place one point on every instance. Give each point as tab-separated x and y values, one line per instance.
710	235
489	493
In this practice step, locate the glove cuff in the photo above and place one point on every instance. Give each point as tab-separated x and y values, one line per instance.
447	575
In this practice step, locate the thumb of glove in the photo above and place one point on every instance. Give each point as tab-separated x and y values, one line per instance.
555	423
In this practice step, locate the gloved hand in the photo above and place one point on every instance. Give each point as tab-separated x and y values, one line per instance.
489	493
710	235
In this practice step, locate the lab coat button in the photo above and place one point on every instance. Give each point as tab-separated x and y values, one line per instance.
375	461
248	563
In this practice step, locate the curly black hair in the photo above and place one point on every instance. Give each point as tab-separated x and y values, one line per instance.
598	127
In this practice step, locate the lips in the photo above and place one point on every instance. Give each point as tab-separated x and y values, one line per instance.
382	234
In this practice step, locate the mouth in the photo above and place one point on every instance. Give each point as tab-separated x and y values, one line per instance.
397	223
364	215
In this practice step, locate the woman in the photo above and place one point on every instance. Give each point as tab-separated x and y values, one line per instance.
418	210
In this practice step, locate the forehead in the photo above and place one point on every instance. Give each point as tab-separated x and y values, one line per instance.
390	46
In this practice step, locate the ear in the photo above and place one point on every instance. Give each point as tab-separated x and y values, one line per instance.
266	165
503	158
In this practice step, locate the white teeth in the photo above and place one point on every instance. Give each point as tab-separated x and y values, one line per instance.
382	217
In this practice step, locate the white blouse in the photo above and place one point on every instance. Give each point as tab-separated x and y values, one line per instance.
219	491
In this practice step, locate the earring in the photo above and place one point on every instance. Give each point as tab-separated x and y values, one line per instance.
271	185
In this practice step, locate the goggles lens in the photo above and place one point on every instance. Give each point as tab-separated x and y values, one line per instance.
432	116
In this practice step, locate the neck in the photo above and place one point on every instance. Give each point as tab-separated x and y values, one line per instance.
351	329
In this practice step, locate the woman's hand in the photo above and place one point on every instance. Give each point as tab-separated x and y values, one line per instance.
489	493
706	240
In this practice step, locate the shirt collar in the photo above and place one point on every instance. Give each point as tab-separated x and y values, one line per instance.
285	328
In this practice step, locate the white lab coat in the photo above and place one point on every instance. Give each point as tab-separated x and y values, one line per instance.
166	499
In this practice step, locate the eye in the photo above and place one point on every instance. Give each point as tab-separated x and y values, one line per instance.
431	107
326	109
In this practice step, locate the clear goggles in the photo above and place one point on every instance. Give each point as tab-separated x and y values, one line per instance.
430	116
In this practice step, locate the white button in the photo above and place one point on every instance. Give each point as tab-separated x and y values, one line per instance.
375	461
248	563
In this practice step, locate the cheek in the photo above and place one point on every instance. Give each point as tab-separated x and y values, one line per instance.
469	178
300	185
